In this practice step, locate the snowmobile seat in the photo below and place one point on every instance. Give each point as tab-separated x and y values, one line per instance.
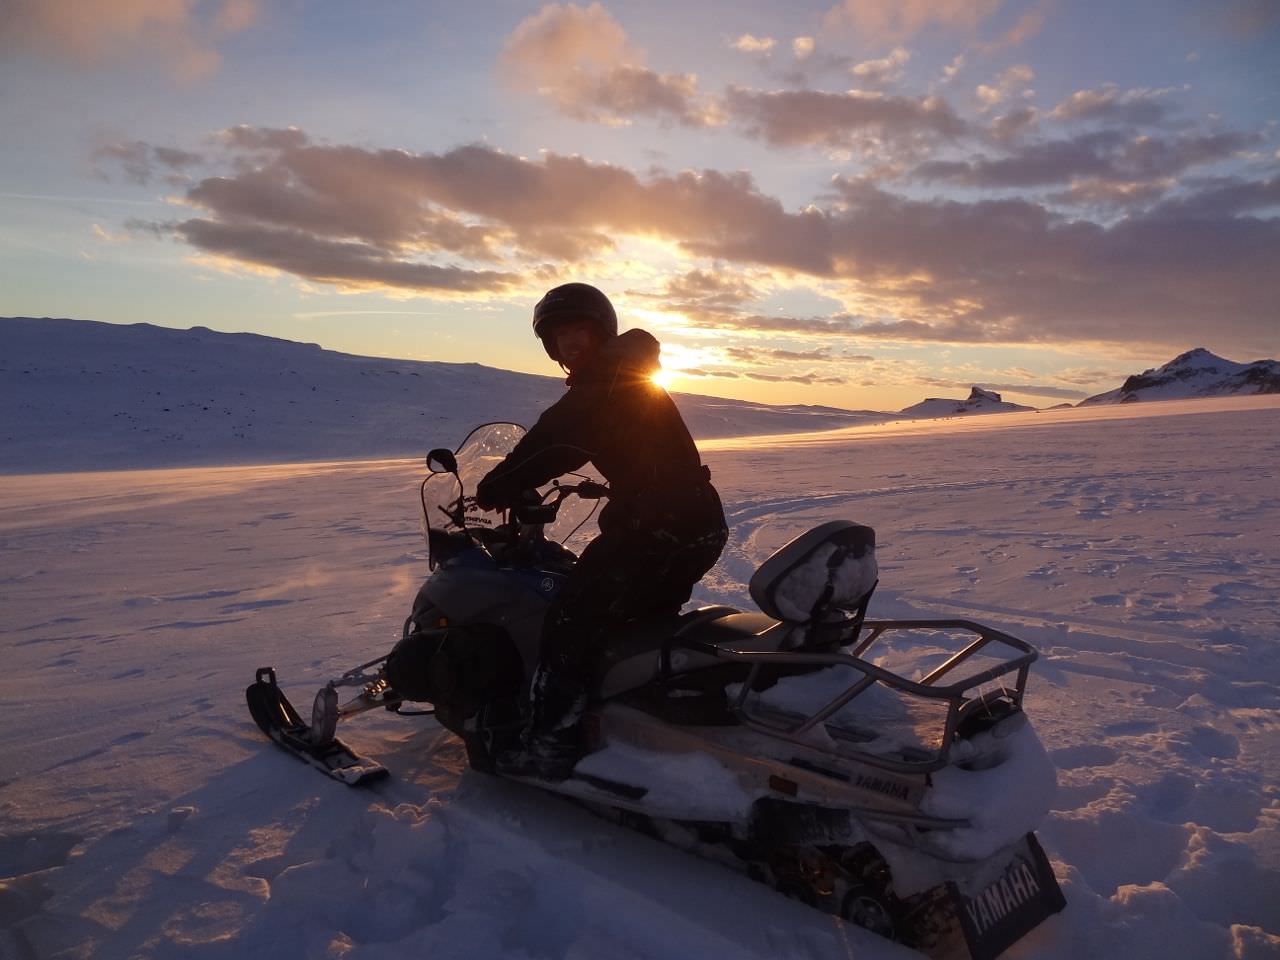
646	650
817	579
819	576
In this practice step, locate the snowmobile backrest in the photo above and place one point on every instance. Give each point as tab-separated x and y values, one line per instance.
818	574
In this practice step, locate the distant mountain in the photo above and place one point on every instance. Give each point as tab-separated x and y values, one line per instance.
979	401
1196	373
82	395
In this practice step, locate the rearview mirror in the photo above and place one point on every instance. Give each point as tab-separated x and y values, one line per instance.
442	460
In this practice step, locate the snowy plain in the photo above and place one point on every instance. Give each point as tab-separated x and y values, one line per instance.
142	814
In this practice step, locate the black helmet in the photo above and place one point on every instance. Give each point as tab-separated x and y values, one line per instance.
573	301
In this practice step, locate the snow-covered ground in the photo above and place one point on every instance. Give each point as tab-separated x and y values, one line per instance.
143	815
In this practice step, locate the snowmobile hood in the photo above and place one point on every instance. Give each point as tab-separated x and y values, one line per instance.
633	353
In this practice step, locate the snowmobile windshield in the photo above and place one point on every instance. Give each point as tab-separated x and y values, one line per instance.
449	510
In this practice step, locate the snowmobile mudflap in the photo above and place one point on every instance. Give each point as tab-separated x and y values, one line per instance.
277	718
972	921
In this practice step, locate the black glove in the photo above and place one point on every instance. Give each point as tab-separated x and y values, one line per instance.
486	500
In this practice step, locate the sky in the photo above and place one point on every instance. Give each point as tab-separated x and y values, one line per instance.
856	204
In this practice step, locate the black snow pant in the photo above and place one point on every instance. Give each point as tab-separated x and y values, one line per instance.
620	576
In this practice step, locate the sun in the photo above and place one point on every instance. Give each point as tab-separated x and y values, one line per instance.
662	378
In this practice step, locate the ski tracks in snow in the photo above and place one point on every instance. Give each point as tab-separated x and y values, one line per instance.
1151	594
145	816
438	863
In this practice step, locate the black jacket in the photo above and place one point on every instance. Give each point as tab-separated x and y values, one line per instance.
616	417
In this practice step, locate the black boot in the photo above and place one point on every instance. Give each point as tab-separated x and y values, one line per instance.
543	756
552	742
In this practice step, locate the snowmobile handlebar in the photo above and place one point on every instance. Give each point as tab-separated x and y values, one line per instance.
541	509
519	538
588	490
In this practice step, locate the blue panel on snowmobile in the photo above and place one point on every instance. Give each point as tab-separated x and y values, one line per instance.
545	583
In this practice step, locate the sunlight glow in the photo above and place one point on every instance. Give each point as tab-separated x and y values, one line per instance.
663	378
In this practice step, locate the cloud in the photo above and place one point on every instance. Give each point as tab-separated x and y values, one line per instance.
347	264
475	219
837	326
138	161
944	330
1036	390
749	44
1029	25
1107	196
1085	377
176	159
474	202
1216	197
1148	157
882	72
757	355
725	374
1009	271
808	379
1014	125
1107	155
1037	164
628	91
896	20
106	236
1248	19
704	291
236	15
856	118
803	378
561	38
1012	83
1138	107
1030	389
245	137
133	158
182	34
157	230
580	59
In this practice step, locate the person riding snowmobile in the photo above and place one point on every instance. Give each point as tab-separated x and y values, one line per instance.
662	529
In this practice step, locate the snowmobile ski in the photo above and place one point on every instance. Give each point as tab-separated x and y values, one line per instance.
278	719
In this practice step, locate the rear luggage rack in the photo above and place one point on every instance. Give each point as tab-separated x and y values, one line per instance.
795	728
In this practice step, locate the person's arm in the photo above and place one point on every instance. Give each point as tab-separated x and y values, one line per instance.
557	444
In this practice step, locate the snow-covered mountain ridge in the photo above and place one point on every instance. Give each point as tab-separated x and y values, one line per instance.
1196	373
978	401
78	394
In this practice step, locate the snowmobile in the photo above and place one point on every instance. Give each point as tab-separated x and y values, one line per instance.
881	770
